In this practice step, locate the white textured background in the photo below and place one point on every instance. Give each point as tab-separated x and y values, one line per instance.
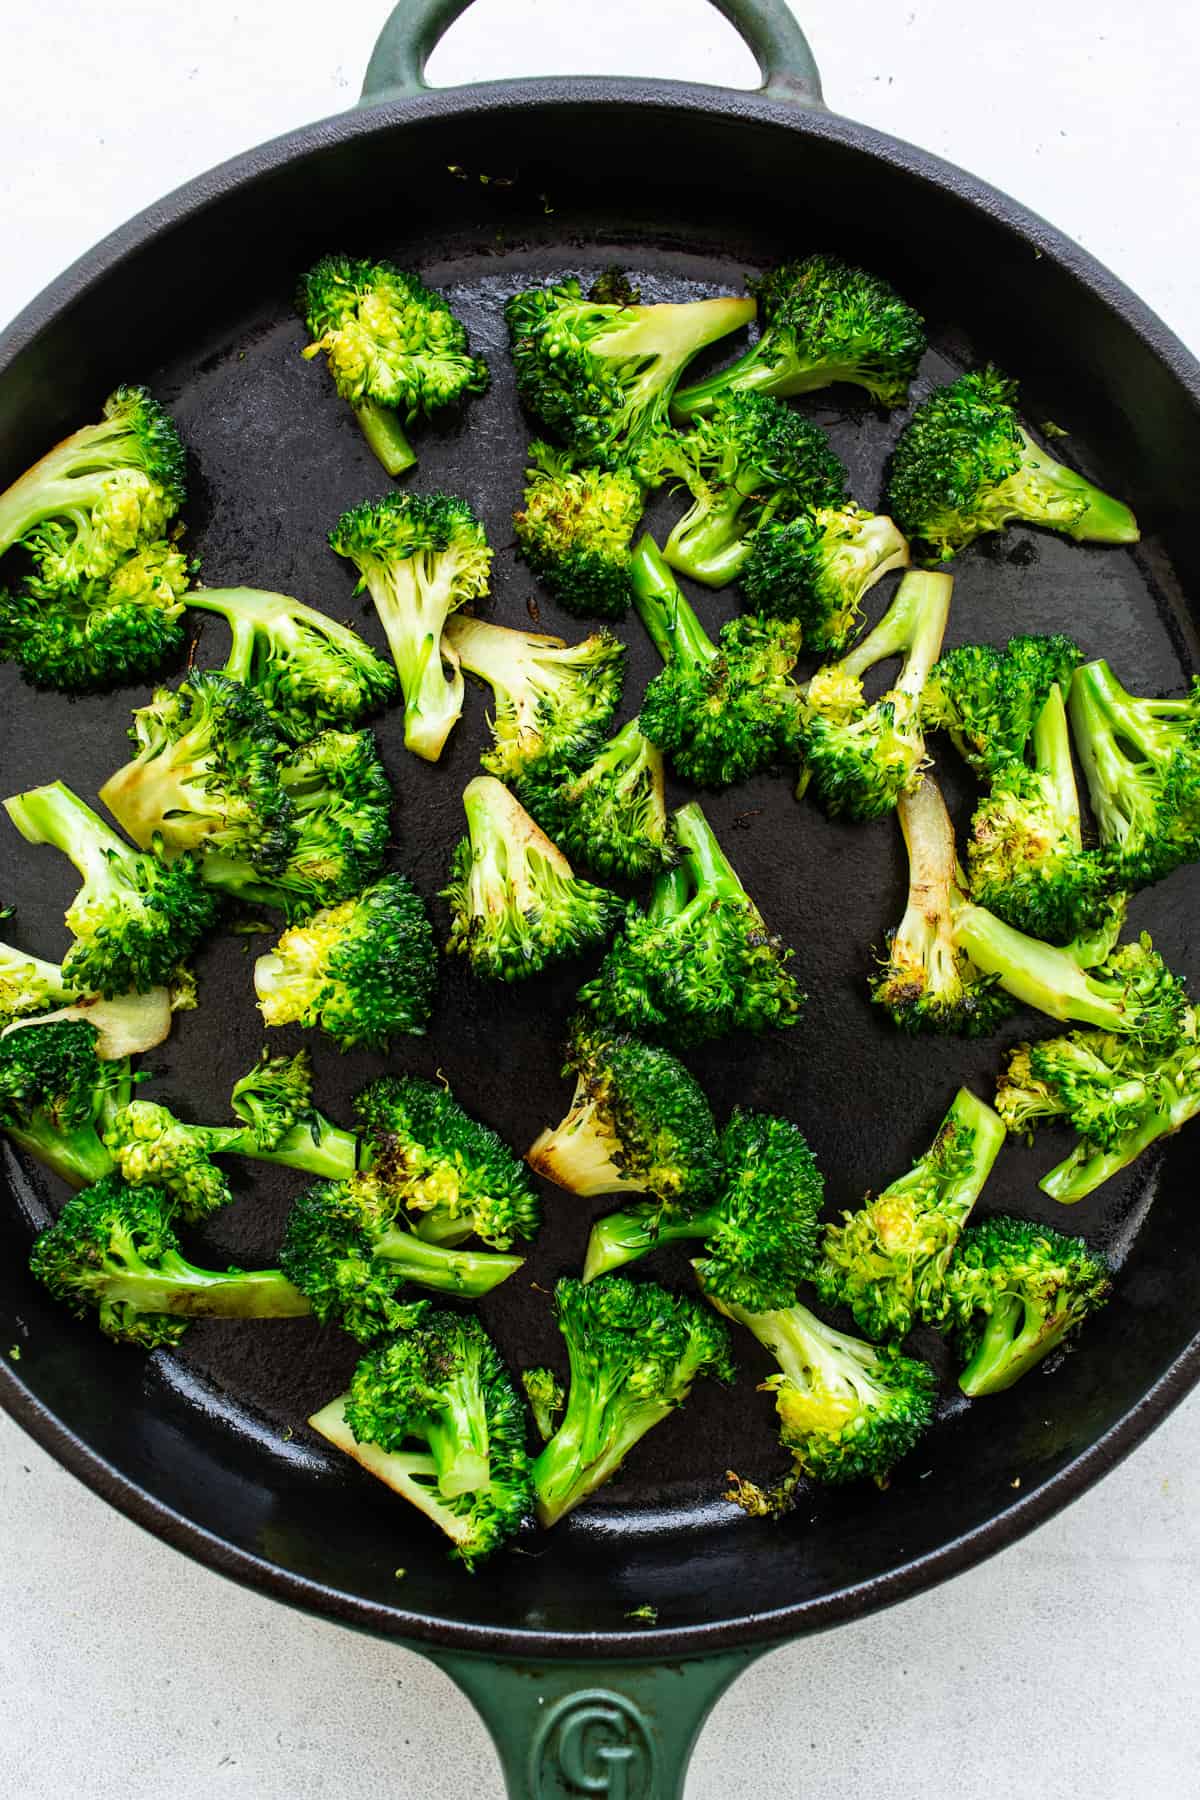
1064	1667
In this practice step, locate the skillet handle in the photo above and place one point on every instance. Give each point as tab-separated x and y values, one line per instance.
769	28
618	1731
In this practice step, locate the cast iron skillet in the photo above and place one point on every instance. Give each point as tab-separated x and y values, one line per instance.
485	189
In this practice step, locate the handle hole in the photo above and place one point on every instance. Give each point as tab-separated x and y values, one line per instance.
685	40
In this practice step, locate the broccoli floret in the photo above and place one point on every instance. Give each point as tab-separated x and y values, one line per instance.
638	1123
1025	858
515	903
700	961
634	1351
988	699
847	1409
1141	760
887	1262
760	1228
816	569
348	1246
308	671
34	992
601	375
394	348
547	1396
362	971
98	599
859	756
612	817
752	460
434	1414
1016	1290
722	711
340	799
420	556
135	915
206	776
965	465
113	1252
552	700
612	287
57	1097
822	321
574	530
454	1175
152	1148
928	981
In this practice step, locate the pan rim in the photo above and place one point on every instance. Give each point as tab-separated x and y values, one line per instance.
426	1630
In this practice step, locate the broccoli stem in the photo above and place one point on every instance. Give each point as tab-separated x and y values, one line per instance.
49	490
1123	742
1052	760
470	1273
711	872
175	1286
54	815
414	596
381	427
1088	1168
1042	487
913	627
597	1433
410	1473
623	1237
706	543
330	1152
1016	1337
77	1157
674	629
503	836
578	1153
1038	975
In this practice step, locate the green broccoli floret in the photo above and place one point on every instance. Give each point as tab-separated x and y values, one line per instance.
515	903
348	1246
1025	858
887	1262
612	817
547	1396
112	1252
455	1176
420	556
847	1409
724	711
816	569
308	671
552	700
859	756
394	348
965	465
278	1124
1141	760
574	530
751	460
928	982
135	916
988	699
57	1097
638	1123
340	799
98	599
700	961
1016	1290
760	1228
822	321
634	1351
433	1413
601	375
362	971
206	776
35	992
612	287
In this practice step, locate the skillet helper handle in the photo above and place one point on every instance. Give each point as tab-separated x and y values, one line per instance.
616	1731
769	28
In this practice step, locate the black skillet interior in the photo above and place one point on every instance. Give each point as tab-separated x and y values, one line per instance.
483	203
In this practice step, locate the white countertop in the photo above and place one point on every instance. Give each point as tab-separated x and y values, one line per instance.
1063	1667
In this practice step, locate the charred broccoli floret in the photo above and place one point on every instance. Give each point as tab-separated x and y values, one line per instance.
515	903
887	1262
816	569
601	374
552	700
988	699
362	971
420	557
965	465
1016	1290
575	527
394	348
822	321
135	917
638	1123
612	816
700	961
635	1352
722	711
57	1098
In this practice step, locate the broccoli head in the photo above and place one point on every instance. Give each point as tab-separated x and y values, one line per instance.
612	816
988	699
574	530
394	348
57	1097
965	465
815	569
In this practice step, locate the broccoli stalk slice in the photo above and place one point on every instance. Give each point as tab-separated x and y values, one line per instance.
413	1474
381	427
582	1153
674	629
